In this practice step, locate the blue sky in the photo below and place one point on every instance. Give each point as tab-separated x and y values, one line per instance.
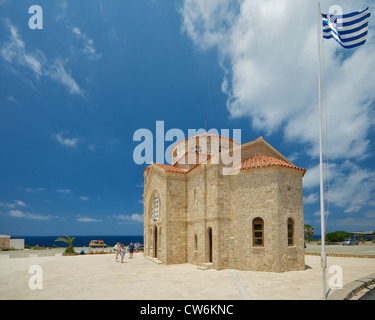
73	94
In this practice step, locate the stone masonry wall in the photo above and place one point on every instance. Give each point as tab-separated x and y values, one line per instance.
204	198
176	220
291	206
155	184
255	195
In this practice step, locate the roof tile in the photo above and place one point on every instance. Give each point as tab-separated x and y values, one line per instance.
264	162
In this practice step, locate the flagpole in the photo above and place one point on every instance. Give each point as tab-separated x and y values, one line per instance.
322	227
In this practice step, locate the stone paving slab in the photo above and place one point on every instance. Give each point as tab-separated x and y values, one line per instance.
84	277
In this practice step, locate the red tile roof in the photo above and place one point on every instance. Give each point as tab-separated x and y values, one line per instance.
249	163
263	162
173	168
167	167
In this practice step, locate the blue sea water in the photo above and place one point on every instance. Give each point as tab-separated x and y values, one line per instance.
316	237
79	241
83	241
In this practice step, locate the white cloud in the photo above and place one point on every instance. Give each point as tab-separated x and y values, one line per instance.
14	53
312	177
65	141
7	204
20	203
58	73
270	70
63	6
15	203
34	189
135	217
28	215
348	186
13	99
268	53
88	44
365	223
84	198
352	188
208	22
311	198
87	219
64	191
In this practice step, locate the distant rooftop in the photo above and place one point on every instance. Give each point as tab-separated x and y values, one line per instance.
362	232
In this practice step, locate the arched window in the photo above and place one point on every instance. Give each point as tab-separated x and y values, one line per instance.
155	212
196	243
290	232
258	232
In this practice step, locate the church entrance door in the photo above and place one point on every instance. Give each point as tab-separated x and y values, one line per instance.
156	242
209	231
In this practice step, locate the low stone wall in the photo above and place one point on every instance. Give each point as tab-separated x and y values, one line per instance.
46	254
18	255
350	289
343	255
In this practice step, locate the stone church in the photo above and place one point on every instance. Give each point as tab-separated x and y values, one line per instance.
248	219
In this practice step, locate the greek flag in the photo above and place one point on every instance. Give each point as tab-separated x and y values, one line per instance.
349	30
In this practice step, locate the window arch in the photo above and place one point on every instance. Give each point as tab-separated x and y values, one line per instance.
258	232
290	232
155	207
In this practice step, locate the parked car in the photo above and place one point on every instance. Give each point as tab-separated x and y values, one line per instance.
349	242
97	244
138	246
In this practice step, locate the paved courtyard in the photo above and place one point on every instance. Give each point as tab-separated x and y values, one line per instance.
100	277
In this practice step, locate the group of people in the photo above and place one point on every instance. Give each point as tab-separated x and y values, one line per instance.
119	249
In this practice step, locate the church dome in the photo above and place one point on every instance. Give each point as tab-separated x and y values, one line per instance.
205	145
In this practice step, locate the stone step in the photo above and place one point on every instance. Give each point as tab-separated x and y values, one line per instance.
206	266
154	260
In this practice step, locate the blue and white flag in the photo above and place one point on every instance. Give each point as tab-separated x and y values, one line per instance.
349	30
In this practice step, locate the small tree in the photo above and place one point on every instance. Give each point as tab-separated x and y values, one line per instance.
338	236
309	231
69	241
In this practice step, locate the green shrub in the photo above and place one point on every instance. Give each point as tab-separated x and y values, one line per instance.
337	236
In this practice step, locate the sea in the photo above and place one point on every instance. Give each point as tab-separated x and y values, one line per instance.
84	241
79	241
317	237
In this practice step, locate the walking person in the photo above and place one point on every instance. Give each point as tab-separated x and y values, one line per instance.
122	253
131	250
116	249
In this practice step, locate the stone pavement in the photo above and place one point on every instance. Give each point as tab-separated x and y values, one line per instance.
100	277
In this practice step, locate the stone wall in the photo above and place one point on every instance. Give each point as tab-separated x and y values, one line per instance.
191	204
176	218
254	195
4	242
291	206
196	216
156	183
